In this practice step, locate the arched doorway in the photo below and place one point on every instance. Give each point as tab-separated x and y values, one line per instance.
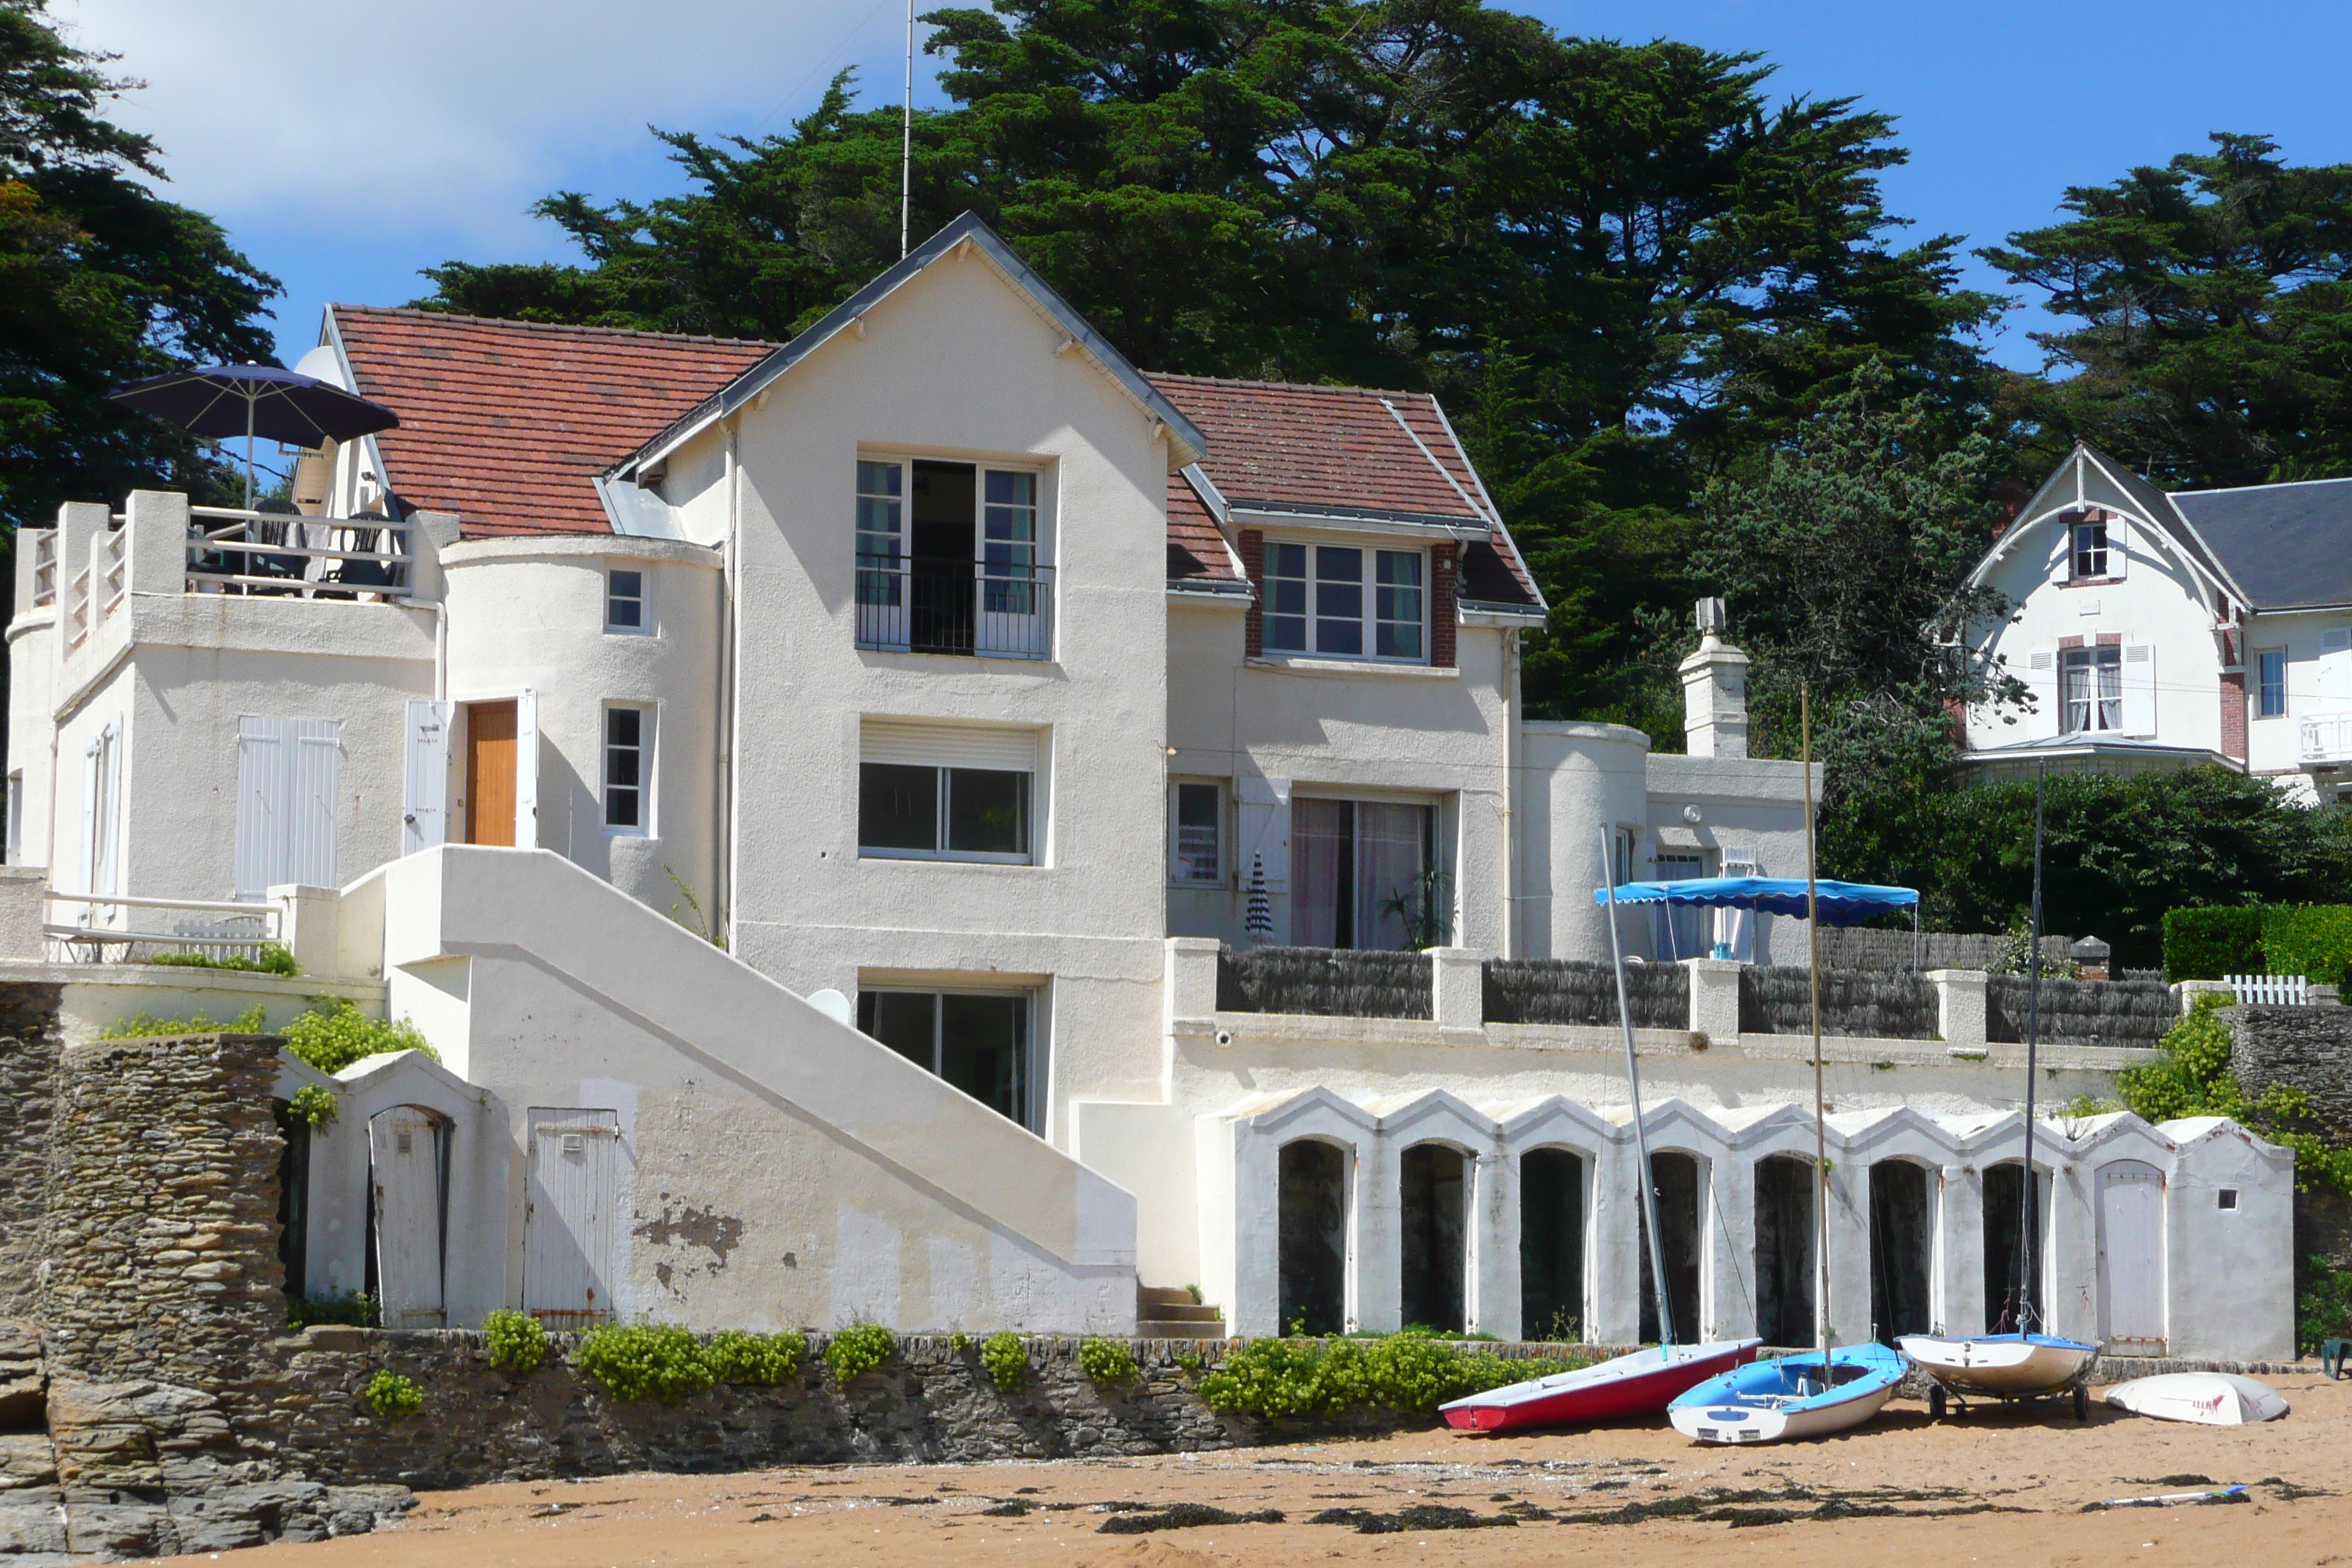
2010	1282
1785	1214
408	1211
1902	1247
1433	1211
1312	1246
1551	1244
1678	1183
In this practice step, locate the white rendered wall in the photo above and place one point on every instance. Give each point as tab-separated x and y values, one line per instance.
528	613
958	365
2318	682
1579	777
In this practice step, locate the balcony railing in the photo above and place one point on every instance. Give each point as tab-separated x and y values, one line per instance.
45	567
269	553
94	928
2327	738
78	609
982	609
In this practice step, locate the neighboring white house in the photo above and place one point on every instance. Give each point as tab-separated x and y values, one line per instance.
2162	629
968	685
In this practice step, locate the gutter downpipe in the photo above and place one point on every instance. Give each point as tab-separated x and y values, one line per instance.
722	860
1511	912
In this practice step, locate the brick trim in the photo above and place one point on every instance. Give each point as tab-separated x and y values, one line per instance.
2111	639
2070	642
1253	553
2233	714
1441	574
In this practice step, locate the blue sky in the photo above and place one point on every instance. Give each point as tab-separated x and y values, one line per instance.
347	144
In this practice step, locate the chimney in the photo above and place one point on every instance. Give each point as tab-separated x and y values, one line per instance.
2092	954
1714	690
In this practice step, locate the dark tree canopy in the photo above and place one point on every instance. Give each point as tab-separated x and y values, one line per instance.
100	281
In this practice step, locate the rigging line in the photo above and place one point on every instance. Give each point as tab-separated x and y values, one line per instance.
1723	1228
848	39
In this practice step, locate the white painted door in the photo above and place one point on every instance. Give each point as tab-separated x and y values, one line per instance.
526	833
2131	1259
425	805
569	1253
406	1169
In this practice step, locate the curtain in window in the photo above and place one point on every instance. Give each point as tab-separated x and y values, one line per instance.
1389	861
1682	931
2111	689
1320	835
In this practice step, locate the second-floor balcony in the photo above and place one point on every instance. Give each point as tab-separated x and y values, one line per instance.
982	609
254	553
2326	740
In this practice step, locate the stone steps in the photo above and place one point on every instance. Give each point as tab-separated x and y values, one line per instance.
1162	1313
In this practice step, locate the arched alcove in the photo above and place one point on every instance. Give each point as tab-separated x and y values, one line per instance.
1433	1212
1312	1244
1902	1247
1679	1184
1786	1217
1551	1244
2009	1279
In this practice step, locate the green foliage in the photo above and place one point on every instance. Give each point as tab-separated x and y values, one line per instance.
101	281
2311	940
332	1036
2193	1078
858	1350
1320	1380
1108	1361
273	960
517	1342
760	1361
959	1342
645	1361
147	1026
1189	1361
1006	1360
2212	942
357	1310
392	1397
314	1105
2323	1305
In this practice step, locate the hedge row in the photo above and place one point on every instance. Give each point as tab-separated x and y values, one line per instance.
2212	943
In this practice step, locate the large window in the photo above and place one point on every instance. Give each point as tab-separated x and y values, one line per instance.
1366	875
1198	816
628	740
2270	683
1346	602
2089	546
980	1043
912	811
2090	684
950	560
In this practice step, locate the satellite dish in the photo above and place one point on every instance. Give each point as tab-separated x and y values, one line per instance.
833	1004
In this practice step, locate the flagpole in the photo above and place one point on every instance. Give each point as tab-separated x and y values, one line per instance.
907	141
1820	1128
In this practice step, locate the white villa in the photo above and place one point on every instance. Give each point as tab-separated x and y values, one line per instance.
802	792
2161	629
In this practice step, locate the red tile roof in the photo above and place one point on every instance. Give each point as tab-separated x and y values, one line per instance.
1196	551
507	423
1345	451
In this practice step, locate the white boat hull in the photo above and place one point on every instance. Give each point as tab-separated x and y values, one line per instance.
2005	1366
2207	1398
1741	1425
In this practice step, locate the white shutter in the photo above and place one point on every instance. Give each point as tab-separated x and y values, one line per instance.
88	861
263	768
2140	689
309	813
526	833
110	810
916	744
1266	831
2041	674
2118	540
425	795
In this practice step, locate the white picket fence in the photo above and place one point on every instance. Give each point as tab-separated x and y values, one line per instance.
2272	990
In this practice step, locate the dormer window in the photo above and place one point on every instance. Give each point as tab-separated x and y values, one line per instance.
2090	548
1344	601
951	559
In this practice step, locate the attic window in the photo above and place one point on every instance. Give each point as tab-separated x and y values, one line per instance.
2090	548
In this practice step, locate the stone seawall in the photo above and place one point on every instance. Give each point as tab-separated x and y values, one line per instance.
29	1043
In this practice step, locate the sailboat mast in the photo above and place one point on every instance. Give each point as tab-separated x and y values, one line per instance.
2031	1208
1813	967
1633	1088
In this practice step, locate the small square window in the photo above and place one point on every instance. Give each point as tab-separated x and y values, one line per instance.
624	600
2228	1198
2089	550
624	768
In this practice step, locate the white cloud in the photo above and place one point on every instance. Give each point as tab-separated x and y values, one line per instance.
455	114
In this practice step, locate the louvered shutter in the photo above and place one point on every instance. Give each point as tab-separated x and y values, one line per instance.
425	794
918	744
2041	676
309	813
526	833
264	769
2140	689
1266	832
110	810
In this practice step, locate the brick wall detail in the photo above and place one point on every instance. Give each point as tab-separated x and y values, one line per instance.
1443	568
2233	714
1253	553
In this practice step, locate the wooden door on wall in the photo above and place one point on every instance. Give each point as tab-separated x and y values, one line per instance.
490	773
2131	1257
569	1251
406	1172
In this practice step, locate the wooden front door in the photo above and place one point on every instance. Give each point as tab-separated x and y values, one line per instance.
568	1227
490	773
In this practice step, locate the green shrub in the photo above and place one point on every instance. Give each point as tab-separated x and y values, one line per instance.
858	1350
2214	942
645	1361
2310	939
2193	1078
312	1105
392	1397
517	1342
1318	1380
331	1037
1006	1359
959	1342
147	1026
273	960
1108	1361
761	1361
2323	1305
357	1310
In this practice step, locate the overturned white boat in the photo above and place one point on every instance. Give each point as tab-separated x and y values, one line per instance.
2002	1366
2208	1398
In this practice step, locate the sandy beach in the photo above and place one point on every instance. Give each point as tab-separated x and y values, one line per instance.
2007	1486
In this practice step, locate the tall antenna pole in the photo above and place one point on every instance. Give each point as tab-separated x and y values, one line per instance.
2032	1211
1820	1119
907	141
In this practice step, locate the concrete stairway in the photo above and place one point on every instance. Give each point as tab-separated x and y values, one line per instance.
1162	1313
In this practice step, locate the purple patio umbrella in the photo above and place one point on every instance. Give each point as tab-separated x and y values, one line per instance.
222	401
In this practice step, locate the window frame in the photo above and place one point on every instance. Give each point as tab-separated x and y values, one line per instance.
1367	620
1176	788
647	727
1025	1074
2262	684
943	808
2092	659
2076	551
1005	571
643	598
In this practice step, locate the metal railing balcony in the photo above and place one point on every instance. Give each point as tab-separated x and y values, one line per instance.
982	609
94	928
272	554
2327	738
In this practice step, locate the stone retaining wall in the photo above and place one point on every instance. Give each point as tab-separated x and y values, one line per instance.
30	1042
